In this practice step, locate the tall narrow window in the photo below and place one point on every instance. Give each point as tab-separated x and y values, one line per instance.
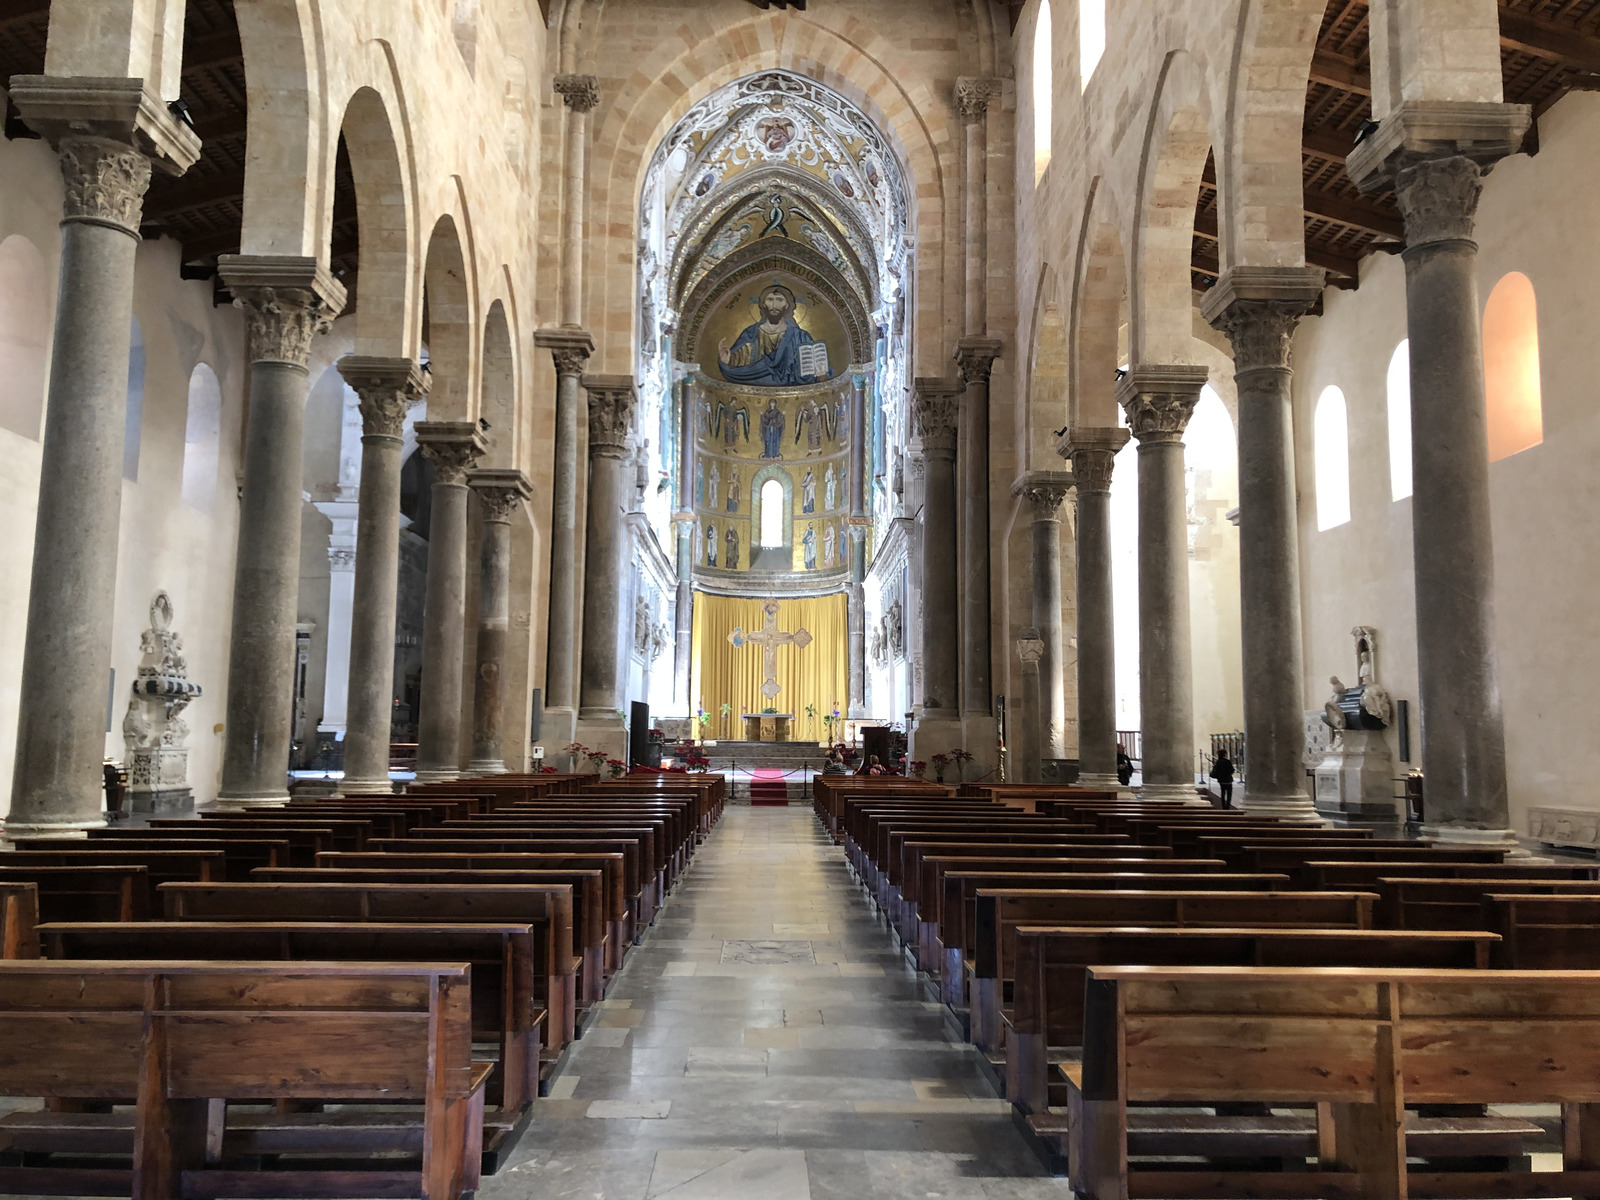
772	514
1399	393
24	334
1331	446
1511	367
135	420
1043	90
201	436
1091	37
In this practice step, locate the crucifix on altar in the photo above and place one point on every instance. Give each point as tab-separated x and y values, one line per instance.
769	727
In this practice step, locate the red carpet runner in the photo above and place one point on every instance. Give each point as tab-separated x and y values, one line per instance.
768	788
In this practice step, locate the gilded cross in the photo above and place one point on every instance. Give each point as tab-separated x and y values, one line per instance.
769	638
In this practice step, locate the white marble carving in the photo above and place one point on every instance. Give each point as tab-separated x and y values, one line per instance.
153	730
1565	827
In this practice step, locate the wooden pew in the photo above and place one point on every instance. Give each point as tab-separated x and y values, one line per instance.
186	1038
655	858
1544	932
1052	964
1358	1047
507	985
1406	903
549	907
19	920
190	865
998	912
1322	876
111	892
1287	856
235	857
589	924
341	833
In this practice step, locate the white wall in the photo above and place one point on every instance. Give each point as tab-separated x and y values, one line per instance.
1538	216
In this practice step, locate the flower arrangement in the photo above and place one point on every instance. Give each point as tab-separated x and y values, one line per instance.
615	765
916	768
961	758
940	762
547	771
726	710
694	760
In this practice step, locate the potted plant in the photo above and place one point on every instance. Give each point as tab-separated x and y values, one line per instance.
961	758
940	762
616	766
704	719
726	711
597	759
811	720
915	768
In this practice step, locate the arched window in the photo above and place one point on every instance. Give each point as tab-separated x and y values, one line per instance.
1399	393
135	426
1091	37
772	514
202	434
1331	446
1043	90
24	333
1511	367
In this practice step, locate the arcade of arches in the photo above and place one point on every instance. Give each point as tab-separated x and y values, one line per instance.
1106	371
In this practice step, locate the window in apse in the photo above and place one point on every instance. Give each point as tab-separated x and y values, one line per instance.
1091	38
1399	400
135	419
1511	367
772	514
1043	90
1331	448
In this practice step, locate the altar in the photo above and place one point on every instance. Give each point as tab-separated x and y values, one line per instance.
768	727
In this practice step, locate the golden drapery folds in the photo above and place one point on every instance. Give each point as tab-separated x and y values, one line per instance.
725	673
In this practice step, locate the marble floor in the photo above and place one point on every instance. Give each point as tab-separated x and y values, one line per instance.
767	1042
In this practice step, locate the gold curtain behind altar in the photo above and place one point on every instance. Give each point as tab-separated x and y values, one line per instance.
724	673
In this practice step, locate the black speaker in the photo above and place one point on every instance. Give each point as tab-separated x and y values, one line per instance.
638	732
536	714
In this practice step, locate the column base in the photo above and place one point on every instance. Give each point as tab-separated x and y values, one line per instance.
366	787
1494	839
1101	781
932	735
1168	793
437	774
605	731
486	766
980	737
235	803
62	830
1295	808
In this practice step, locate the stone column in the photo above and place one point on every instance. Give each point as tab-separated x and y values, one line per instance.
1093	453
580	93
859	523
570	349
387	388
683	523
502	492
975	360
1258	308
106	142
1030	649
452	447
1159	401
935	416
286	301
1434	155
973	97
1044	491
612	399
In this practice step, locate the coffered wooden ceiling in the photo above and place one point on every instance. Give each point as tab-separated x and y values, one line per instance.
1548	47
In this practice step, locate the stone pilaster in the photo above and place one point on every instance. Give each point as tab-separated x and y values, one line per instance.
387	388
580	93
1044	491
106	133
973	97
1029	744
1434	155
502	492
1159	401
1093	453
452	447
570	350
975	358
1258	308
612	401
287	301
935	415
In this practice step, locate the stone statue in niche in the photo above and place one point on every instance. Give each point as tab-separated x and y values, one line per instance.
641	626
153	731
880	642
660	639
897	637
1355	777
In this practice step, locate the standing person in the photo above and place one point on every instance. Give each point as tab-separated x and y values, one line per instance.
1124	767
1222	772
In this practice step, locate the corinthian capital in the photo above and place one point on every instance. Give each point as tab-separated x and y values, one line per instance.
1093	453
1044	491
612	399
580	92
974	95
1160	400
286	300
501	490
387	388
1030	647
935	413
1438	198
975	359
105	182
1258	308
451	446
570	349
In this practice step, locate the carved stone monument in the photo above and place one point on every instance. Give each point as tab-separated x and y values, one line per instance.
153	731
1355	777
